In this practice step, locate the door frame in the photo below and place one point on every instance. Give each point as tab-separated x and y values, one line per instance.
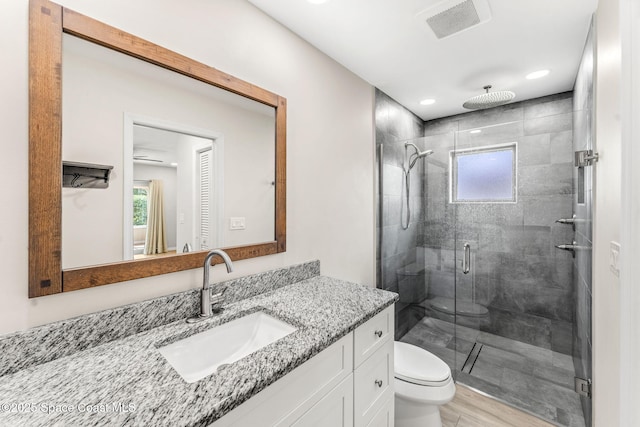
630	212
217	138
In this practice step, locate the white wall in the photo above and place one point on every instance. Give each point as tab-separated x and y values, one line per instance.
330	196
607	202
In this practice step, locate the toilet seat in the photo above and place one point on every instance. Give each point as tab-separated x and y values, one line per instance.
417	366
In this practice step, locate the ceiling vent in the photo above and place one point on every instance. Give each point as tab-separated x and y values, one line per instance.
453	16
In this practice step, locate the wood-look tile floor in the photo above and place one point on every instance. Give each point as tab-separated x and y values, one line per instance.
471	409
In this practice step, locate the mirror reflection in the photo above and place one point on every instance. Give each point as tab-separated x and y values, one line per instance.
194	165
176	189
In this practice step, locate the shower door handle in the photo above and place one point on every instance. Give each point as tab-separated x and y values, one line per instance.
466	260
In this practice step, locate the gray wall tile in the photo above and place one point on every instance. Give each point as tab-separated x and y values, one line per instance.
559	104
534	150
545	210
518	271
441	126
549	124
518	274
561	147
397	248
392	180
546	179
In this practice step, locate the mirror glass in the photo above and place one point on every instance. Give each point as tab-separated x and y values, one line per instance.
193	165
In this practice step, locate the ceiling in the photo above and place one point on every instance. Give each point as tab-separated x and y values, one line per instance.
155	147
386	44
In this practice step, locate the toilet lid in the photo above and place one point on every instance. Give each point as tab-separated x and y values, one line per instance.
418	366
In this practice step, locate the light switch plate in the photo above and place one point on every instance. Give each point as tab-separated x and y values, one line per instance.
614	258
236	223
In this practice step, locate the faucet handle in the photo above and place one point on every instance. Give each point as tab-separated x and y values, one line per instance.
217	299
221	291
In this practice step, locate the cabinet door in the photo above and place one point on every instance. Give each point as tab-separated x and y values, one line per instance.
295	393
334	410
373	384
384	417
372	335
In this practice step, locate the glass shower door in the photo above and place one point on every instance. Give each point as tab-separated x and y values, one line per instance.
514	287
426	284
481	282
489	238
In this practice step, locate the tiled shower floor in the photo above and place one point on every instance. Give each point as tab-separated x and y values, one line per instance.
531	378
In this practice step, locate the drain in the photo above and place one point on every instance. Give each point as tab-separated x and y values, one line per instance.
472	358
224	365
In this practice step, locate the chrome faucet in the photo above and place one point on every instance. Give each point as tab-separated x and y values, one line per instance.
207	300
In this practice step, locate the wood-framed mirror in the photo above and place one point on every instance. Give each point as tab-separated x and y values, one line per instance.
49	23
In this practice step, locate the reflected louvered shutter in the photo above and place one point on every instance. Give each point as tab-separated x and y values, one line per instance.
204	167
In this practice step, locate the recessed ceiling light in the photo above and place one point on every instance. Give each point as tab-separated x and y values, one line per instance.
174	164
475	131
427	101
537	74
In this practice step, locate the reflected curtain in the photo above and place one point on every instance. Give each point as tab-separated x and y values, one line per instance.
156	241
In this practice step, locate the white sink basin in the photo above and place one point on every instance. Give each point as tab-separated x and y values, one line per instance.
202	354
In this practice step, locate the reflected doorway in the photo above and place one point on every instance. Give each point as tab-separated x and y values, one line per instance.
174	178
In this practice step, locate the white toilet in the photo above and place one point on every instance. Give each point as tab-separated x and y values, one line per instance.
422	382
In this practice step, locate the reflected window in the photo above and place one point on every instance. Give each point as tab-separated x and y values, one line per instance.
140	197
484	174
140	209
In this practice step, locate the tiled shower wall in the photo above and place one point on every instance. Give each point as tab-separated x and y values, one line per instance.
396	247
526	282
583	140
518	274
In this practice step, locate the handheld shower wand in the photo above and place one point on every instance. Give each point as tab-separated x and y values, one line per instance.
413	158
411	161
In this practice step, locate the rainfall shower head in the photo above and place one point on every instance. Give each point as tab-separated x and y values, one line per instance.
489	99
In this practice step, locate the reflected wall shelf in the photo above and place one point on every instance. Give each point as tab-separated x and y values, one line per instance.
85	175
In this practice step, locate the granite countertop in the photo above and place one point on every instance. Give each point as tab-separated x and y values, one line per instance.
128	382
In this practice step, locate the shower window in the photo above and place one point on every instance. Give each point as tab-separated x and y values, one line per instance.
484	174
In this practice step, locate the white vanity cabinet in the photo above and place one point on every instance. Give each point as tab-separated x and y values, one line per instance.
350	383
373	371
333	410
